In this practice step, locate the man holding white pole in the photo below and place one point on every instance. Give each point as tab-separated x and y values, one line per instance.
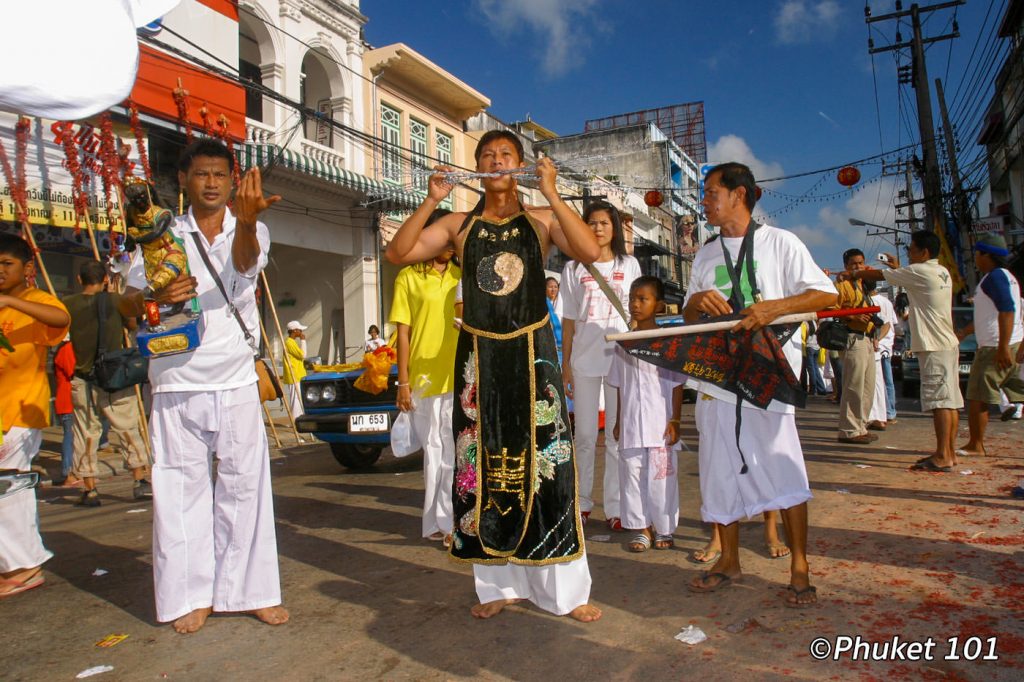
751	460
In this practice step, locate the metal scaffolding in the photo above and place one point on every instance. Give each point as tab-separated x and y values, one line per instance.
684	123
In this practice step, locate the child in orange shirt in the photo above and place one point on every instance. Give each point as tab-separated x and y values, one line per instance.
64	372
33	321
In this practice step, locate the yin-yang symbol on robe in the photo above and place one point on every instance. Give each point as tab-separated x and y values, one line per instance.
500	273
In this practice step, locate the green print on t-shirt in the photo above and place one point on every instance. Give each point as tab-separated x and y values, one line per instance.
724	284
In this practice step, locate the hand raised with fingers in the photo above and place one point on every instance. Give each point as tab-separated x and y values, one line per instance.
249	199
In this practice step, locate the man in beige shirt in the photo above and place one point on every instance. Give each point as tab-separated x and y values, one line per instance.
933	340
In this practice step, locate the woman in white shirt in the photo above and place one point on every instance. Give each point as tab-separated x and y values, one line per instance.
588	314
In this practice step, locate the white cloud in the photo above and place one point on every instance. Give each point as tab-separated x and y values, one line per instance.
805	21
561	25
735	148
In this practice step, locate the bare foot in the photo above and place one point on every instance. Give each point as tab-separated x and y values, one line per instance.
778	550
491	608
271	615
586	613
192	622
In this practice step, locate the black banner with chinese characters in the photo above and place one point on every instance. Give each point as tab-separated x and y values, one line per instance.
750	365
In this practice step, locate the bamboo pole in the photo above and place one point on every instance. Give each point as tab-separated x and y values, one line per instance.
280	334
27	229
284	399
273	429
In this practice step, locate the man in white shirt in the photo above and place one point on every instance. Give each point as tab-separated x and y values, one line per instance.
214	544
786	281
999	330
930	290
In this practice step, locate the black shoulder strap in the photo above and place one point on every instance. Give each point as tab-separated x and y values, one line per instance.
745	258
223	292
101	321
477	210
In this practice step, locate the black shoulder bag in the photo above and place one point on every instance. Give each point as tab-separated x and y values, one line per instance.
119	369
267	383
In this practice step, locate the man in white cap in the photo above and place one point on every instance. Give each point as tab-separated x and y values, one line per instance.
999	330
294	370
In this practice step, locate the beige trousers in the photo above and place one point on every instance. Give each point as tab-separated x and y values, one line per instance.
121	410
858	386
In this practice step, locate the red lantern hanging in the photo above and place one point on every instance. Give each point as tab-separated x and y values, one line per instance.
653	198
848	176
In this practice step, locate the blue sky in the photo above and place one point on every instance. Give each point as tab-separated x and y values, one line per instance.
787	84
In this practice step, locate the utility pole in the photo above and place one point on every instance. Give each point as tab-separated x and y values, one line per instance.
931	180
960	213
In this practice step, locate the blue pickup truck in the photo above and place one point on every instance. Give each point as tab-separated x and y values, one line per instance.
354	423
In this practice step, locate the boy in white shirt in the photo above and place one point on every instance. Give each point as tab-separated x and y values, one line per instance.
647	428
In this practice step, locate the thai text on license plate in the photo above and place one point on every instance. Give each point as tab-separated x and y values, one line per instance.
373	422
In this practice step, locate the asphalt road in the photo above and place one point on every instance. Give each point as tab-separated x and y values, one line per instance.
893	553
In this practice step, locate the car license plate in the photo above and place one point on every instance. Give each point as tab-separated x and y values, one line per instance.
374	422
965	369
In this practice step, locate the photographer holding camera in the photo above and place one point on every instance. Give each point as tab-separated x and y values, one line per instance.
930	290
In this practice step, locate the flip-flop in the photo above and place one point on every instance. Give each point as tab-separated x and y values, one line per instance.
19	586
928	465
810	589
664	541
640	543
723	582
436	537
709	557
781	545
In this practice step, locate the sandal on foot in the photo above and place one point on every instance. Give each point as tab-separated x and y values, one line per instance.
723	582
640	543
709	557
436	537
664	541
796	603
928	464
614	523
13	587
780	546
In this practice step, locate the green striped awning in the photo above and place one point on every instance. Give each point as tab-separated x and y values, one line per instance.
379	195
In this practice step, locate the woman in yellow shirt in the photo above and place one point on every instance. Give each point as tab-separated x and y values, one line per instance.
424	311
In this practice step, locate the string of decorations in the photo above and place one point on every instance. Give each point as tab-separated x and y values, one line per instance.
140	140
65	131
180	96
110	170
16	177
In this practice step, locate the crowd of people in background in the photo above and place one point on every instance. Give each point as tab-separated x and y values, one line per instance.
473	296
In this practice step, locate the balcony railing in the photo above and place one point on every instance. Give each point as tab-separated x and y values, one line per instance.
259	133
323	154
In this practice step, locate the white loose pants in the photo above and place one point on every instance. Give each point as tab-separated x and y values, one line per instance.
776	477
650	489
432	422
556	588
295	399
878	411
213	533
20	543
586	399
